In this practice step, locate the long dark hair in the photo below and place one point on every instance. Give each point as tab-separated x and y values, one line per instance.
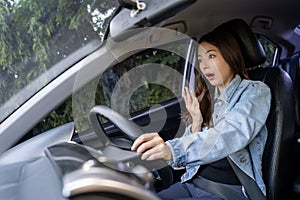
206	103
232	54
230	50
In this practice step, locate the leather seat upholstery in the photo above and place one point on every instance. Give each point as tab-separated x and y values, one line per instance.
292	66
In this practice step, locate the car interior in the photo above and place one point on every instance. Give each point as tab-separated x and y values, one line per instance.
98	162
281	75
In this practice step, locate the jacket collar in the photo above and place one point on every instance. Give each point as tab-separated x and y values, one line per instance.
229	90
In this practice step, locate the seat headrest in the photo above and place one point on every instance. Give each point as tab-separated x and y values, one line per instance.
252	50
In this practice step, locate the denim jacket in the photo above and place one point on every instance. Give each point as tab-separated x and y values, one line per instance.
238	131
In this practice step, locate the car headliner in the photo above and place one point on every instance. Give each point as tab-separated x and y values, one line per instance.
274	18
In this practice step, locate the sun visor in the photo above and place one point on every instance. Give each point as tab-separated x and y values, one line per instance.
145	14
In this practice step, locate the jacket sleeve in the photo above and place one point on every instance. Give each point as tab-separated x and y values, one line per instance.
233	131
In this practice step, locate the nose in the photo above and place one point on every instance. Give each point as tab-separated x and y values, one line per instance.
203	64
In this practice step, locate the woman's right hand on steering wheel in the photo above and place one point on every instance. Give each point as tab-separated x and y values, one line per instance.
152	147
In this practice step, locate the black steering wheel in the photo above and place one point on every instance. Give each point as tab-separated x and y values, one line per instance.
162	173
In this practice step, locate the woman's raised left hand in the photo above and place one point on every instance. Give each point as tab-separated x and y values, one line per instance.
193	107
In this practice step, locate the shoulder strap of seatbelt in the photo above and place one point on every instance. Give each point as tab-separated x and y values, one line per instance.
252	189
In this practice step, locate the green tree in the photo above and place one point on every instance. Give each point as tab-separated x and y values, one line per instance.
37	34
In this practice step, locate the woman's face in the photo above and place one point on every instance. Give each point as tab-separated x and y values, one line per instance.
213	66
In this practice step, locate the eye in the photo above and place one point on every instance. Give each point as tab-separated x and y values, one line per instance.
210	56
199	60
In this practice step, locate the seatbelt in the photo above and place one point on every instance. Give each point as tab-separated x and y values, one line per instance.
217	189
252	189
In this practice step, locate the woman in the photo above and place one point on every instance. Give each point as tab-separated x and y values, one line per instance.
238	130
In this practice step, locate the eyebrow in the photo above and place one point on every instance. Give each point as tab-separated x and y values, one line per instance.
210	50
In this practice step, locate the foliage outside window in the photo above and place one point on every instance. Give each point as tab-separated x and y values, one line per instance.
36	36
270	49
149	94
143	97
135	97
37	39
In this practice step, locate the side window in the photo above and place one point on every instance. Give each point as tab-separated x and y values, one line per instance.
61	115
150	77
272	51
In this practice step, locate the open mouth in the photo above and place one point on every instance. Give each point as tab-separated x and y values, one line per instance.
209	76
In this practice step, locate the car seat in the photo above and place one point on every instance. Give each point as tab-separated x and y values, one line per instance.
292	66
278	154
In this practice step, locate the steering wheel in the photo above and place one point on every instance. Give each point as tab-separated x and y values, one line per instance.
159	168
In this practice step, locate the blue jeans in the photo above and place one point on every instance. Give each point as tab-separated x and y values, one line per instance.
189	191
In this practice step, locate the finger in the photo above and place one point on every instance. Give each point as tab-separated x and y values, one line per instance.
154	153
187	94
193	95
140	140
149	153
149	144
136	143
184	94
195	101
186	97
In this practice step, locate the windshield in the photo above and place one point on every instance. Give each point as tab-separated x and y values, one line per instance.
40	39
